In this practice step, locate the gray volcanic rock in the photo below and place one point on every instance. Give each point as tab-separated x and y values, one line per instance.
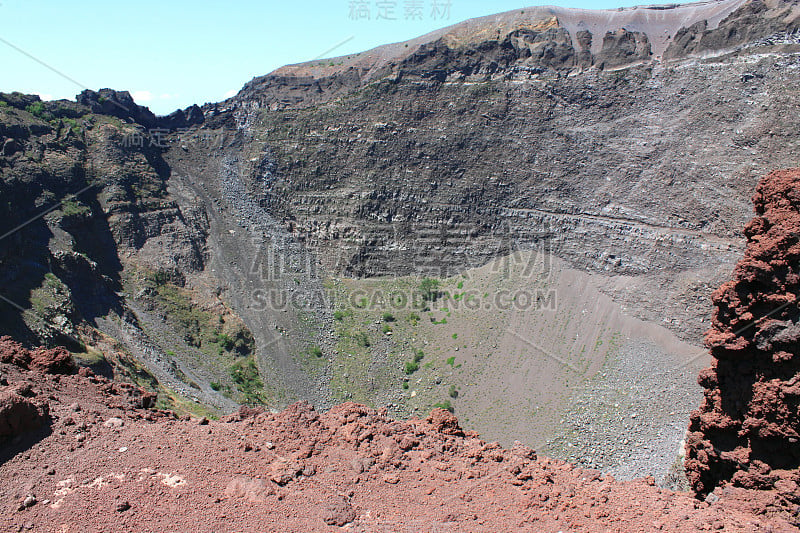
622	48
525	41
117	104
752	21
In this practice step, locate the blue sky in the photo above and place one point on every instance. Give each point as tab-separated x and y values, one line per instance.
173	53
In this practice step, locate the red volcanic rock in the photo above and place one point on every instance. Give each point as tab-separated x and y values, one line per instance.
110	466
13	353
747	430
19	412
444	422
53	361
48	361
340	513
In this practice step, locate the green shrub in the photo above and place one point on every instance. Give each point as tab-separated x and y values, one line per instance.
244	373
3	103
405	385
73	208
388	317
215	386
451	361
444	405
315	350
411	367
36	109
243	341
413	318
342	314
361	339
430	289
224	341
453	392
160	277
418	356
387	328
73	125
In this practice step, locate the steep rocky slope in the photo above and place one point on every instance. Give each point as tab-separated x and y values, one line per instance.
746	431
525	43
442	152
87	227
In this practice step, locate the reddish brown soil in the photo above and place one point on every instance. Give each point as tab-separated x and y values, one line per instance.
104	464
745	433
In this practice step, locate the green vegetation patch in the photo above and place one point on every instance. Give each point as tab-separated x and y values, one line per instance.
429	288
411	367
36	109
244	373
315	351
204	330
444	405
73	208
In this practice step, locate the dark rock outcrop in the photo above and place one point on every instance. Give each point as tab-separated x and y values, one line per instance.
623	47
182	118
747	431
120	104
525	44
754	20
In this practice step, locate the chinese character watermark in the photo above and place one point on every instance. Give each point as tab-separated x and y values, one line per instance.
393	10
163	138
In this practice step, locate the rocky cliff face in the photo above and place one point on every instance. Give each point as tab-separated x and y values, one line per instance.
623	144
746	431
89	230
542	129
